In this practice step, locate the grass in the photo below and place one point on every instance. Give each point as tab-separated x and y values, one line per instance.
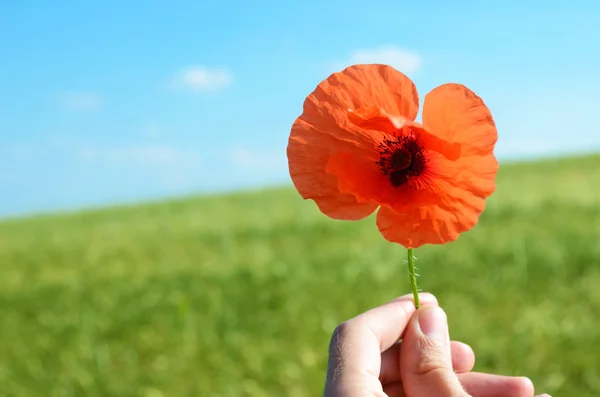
237	295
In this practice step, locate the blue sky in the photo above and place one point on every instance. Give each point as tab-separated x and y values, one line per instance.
112	101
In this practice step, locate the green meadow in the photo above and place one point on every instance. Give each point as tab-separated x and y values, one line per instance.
237	295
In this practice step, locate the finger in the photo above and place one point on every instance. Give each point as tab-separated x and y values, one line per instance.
425	357
479	384
356	345
463	357
463	360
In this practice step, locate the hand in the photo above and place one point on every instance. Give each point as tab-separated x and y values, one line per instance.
366	359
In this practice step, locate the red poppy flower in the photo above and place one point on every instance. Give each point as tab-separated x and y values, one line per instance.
356	148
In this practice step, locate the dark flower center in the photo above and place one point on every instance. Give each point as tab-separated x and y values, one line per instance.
401	159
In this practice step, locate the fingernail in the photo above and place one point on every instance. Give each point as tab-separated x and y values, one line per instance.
433	323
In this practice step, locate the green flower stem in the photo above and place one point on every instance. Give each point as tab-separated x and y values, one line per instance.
413	277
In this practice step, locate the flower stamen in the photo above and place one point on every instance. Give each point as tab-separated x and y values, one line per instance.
401	159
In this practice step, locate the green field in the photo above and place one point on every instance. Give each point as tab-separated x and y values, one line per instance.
237	295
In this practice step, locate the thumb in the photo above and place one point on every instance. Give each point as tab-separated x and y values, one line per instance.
425	359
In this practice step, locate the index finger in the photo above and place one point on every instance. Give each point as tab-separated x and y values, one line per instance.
356	345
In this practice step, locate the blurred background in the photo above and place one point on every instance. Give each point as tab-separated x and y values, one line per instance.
151	243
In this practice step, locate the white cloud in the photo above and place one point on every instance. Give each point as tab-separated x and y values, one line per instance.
81	101
407	62
247	158
203	79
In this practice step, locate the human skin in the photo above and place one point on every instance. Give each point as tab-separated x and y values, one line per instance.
366	359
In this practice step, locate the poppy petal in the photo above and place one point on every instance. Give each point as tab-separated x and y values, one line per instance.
375	118
455	113
434	213
423	225
451	193
449	201
358	175
324	129
309	151
372	85
432	223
